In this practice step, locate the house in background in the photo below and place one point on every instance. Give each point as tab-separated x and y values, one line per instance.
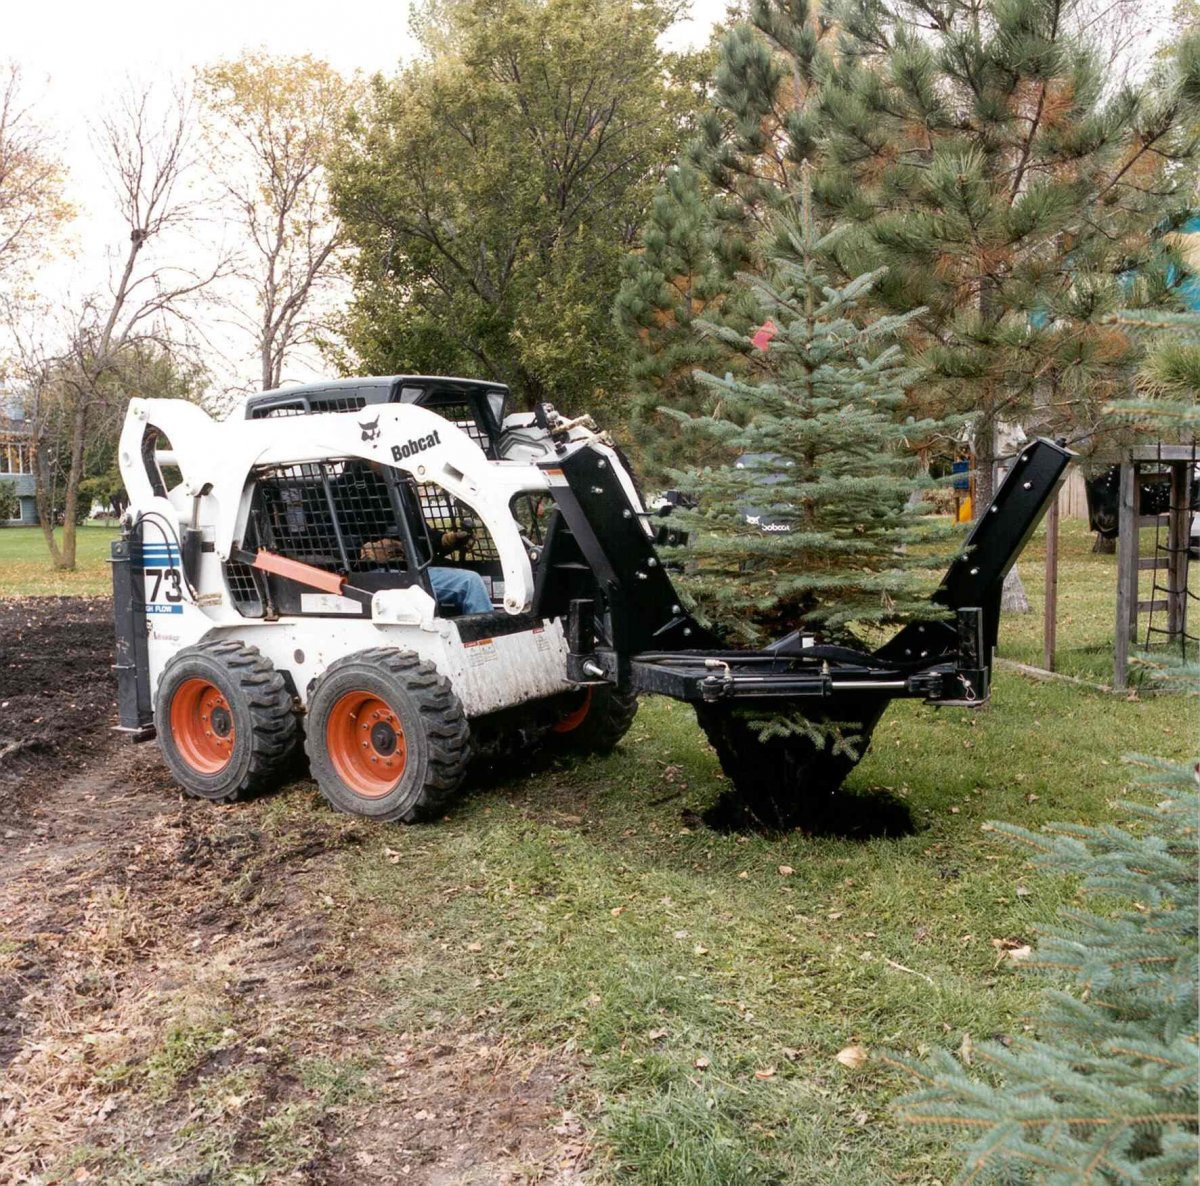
16	457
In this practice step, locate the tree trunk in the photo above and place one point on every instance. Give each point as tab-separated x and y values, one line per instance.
985	462
270	380
74	477
43	489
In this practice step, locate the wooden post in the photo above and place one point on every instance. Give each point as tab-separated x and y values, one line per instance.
1127	571
1050	617
1177	562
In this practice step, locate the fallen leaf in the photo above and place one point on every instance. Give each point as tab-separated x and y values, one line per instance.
701	1064
743	876
474	946
656	1035
1015	950
617	911
786	870
852	1056
765	1073
700	949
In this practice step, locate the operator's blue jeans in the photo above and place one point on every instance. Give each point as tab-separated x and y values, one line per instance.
460	590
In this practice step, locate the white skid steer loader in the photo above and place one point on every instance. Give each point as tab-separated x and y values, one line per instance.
408	580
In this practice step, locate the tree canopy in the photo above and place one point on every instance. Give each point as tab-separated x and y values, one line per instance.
493	187
982	154
277	121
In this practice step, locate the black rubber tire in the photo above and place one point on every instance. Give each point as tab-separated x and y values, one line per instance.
436	734
263	711
609	717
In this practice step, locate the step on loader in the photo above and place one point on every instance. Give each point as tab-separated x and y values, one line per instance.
400	580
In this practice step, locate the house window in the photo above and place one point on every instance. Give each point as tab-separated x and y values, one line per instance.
15	457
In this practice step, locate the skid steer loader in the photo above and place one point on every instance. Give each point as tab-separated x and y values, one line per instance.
287	577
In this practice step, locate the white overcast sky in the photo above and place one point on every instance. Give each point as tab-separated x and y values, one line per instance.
76	54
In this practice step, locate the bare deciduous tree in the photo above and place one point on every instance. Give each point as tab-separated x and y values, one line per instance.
276	121
147	309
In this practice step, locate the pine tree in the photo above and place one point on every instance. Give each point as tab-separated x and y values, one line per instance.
1011	194
805	520
708	220
671	282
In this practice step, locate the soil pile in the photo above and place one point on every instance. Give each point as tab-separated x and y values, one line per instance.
58	690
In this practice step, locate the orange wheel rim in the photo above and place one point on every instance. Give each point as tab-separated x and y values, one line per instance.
365	743
573	720
202	726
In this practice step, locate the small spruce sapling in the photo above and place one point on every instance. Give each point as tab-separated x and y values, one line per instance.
809	520
1106	1090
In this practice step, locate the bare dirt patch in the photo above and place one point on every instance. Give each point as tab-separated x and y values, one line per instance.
57	688
180	1000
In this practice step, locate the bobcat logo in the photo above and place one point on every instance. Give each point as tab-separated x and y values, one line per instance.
370	431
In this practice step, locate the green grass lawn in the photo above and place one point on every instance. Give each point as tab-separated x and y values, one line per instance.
698	985
701	990
1087	600
26	571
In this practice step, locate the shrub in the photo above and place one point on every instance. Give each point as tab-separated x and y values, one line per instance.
10	505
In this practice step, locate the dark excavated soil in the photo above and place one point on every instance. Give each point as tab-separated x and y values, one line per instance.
57	687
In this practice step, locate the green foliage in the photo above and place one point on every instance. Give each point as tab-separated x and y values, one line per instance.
10	505
492	190
670	283
1011	193
806	519
141	369
1167	407
1106	1091
982	159
705	224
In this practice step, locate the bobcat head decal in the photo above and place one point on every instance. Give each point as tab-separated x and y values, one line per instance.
370	431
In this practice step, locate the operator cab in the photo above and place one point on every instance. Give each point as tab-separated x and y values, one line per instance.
474	405
369	522
379	528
